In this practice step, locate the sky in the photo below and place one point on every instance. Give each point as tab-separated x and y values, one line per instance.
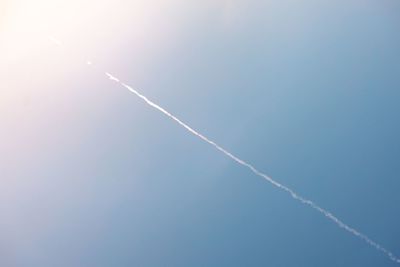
306	91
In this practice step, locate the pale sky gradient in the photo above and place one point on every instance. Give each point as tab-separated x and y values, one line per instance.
307	91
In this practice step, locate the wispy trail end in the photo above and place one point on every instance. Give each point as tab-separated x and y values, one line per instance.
55	40
284	188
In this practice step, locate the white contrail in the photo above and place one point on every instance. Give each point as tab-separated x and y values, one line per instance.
55	40
288	190
292	193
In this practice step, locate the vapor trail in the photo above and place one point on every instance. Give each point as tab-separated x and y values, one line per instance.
286	189
55	40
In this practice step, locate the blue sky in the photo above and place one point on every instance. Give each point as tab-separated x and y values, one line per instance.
306	91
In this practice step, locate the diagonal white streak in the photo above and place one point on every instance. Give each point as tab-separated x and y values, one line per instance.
286	189
55	40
